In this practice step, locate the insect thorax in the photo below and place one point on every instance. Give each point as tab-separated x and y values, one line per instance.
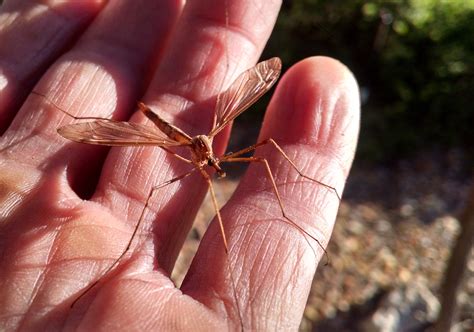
202	150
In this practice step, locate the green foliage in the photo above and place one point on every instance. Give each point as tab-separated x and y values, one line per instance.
415	58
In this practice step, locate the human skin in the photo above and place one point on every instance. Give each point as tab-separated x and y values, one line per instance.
98	59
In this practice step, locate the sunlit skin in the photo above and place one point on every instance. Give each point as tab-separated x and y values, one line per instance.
239	96
53	243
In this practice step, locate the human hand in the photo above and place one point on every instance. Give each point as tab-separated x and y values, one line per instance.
54	244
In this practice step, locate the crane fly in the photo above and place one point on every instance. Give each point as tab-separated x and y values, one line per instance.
242	93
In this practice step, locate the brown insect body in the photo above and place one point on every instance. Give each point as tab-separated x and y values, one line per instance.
241	94
199	145
167	128
202	154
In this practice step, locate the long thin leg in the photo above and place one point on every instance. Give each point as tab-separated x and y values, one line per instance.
224	238
232	155
135	231
176	155
216	207
280	201
66	112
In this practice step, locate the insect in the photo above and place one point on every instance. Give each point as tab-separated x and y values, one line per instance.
241	94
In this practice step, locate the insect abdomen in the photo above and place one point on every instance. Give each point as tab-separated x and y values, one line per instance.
171	131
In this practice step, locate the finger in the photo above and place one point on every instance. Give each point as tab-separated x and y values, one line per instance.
32	35
207	49
314	116
102	74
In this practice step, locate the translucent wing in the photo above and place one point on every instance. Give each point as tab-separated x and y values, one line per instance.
245	91
115	133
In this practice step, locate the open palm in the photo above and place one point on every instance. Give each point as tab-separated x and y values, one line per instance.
97	59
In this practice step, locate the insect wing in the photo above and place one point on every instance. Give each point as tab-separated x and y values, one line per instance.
245	91
115	133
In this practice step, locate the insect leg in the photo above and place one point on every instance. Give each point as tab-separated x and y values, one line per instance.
176	155
135	231
224	238
66	112
280	201
271	141
216	207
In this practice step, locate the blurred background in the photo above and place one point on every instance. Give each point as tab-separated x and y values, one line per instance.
407	207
